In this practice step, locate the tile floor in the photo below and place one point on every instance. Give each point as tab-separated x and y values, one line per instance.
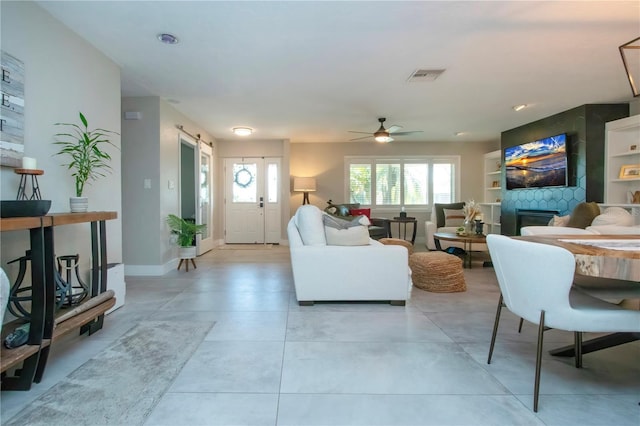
268	361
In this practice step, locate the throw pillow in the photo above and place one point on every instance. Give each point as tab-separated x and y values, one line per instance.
453	218
344	223
360	212
559	220
439	209
583	214
308	219
353	236
613	216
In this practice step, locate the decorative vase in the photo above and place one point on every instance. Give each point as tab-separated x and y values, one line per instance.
469	227
79	204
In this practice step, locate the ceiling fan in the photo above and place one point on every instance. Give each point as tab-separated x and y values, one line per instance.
384	135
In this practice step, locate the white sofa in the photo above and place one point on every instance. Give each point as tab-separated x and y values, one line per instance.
321	272
611	221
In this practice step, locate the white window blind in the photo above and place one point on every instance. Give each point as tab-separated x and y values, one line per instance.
395	182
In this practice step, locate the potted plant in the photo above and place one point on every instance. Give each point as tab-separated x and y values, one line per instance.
88	160
185	232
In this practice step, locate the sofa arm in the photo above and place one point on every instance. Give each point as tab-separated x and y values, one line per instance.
430	228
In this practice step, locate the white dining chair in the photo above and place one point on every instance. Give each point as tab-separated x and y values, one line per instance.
536	284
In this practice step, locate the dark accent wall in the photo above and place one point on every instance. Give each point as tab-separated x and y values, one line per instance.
585	129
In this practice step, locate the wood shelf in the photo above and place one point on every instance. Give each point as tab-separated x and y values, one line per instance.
81	319
41	335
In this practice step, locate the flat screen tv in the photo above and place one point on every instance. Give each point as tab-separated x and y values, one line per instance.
537	164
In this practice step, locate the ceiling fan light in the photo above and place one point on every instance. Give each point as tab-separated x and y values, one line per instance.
383	139
242	131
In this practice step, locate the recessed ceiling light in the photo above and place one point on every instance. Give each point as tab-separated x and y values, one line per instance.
242	131
167	38
519	107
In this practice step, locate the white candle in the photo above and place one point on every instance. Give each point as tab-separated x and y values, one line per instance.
29	163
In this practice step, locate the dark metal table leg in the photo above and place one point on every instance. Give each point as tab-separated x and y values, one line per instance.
592	345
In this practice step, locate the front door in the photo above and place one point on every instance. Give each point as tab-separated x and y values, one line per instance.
252	200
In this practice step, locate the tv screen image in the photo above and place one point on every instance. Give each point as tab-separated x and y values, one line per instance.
537	164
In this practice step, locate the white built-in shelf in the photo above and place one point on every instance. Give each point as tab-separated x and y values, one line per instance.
625	180
620	136
490	208
626	154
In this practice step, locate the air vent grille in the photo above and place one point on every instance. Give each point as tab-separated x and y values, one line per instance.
425	75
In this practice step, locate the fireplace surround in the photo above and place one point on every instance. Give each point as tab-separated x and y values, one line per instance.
533	217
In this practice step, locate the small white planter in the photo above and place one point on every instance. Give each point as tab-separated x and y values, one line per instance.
187	252
79	204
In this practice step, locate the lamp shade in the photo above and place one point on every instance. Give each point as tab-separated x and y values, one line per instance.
304	184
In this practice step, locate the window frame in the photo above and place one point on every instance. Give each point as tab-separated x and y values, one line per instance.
430	160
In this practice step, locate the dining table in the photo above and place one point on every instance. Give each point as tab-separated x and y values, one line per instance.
611	257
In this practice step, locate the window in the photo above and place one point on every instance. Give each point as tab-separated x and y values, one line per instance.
412	181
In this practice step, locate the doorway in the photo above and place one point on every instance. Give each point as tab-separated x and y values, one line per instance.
196	171
252	200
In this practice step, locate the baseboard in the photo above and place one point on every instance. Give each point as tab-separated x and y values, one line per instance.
150	270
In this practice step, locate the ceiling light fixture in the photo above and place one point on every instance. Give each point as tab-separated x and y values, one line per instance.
242	131
383	139
460	133
519	107
630	53
167	38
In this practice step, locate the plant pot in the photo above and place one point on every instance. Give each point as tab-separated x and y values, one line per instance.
79	204
187	252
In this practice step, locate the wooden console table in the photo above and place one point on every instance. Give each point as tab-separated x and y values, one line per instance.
34	354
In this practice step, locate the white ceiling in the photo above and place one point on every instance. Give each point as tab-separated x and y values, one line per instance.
312	71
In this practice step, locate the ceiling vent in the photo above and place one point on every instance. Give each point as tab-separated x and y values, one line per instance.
425	75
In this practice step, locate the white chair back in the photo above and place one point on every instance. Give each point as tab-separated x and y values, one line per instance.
532	276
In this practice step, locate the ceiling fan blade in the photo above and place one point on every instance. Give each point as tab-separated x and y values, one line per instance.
353	131
394	129
406	133
364	137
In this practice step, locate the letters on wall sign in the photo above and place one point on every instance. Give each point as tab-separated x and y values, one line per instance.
11	111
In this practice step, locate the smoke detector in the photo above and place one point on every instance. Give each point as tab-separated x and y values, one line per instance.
424	74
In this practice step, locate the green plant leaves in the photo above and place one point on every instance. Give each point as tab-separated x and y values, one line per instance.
185	230
84	147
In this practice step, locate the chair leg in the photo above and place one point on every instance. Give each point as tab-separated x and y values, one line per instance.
536	385
495	329
577	342
520	325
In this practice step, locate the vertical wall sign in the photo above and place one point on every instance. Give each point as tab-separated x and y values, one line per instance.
11	111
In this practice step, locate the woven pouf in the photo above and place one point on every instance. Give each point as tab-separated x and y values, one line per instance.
437	272
397	242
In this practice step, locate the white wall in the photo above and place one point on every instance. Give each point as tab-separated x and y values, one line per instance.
63	75
140	161
151	151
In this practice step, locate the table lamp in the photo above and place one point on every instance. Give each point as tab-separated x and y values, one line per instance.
305	185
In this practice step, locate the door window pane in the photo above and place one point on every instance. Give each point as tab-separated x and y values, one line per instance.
272	183
416	178
244	183
205	193
387	184
442	183
360	183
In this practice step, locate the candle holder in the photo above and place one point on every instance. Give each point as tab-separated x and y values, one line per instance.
479	227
